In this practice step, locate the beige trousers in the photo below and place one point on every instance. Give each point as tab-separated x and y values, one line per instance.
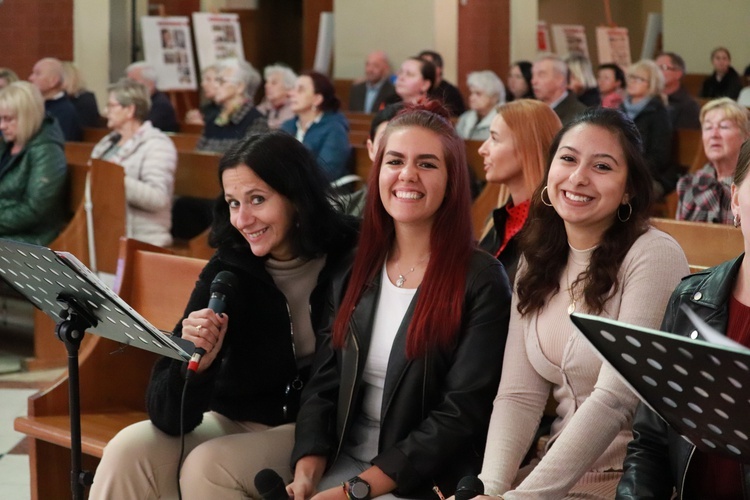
222	457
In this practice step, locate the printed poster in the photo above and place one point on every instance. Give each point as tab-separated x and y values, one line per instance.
169	49
217	37
613	45
570	38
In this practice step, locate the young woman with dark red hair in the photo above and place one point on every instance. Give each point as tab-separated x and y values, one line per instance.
401	391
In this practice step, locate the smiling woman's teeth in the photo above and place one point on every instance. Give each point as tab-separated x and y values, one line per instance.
257	233
576	197
408	195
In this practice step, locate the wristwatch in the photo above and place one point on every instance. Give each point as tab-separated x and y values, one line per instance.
357	489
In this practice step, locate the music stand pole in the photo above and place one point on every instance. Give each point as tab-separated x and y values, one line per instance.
71	331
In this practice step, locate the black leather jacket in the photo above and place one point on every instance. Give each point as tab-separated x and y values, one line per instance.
436	408
658	458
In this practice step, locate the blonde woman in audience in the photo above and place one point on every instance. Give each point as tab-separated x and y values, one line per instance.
7	76
582	80
276	106
84	100
705	196
645	105
148	157
486	91
587	248
515	156
32	167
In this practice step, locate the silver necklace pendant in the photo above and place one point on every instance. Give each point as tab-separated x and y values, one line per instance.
400	281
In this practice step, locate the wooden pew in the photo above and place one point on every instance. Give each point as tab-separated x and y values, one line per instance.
94	134
474	159
113	379
108	200
197	174
78	153
183	141
343	87
705	244
191	128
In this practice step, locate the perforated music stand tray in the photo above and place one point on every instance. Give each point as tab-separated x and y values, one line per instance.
700	389
67	291
54	281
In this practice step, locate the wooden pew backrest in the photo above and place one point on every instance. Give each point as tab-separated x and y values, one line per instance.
705	244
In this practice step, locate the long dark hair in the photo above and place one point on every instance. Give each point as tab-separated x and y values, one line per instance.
544	242
286	165
439	308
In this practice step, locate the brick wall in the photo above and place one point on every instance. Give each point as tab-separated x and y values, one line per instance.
32	29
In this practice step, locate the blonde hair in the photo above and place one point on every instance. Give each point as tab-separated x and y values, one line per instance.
733	111
655	77
534	126
73	83
25	102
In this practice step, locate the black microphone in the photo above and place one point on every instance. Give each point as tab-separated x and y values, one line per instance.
270	486
469	487
222	287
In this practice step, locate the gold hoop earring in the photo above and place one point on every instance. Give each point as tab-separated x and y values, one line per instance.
541	195
630	212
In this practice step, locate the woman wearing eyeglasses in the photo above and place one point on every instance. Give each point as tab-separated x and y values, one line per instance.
645	105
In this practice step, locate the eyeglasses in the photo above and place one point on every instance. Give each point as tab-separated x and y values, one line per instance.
636	78
667	67
113	104
220	80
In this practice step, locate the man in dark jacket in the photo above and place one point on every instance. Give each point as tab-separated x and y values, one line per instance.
162	114
48	77
369	95
443	90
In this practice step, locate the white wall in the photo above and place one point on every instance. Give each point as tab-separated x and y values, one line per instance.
400	28
692	28
91	43
523	19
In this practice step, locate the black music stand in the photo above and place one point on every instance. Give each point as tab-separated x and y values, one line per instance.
698	388
75	298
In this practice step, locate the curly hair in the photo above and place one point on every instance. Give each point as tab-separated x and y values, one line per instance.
544	242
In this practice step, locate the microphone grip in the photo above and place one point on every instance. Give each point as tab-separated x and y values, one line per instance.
195	359
217	303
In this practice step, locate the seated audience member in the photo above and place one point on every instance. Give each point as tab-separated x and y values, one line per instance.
683	109
277	231
162	114
515	156
32	167
148	157
644	104
376	90
209	109
442	89
582	81
49	78
236	84
7	76
744	97
659	458
705	196
550	83
414	80
486	91
401	389
519	81
724	81
83	100
587	247
276	106
319	125
611	82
